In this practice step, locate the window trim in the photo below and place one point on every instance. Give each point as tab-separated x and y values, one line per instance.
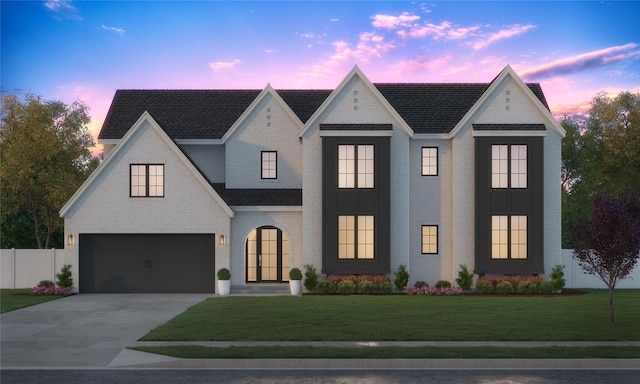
509	163
353	180
269	170
422	238
357	242
146	180
437	158
509	233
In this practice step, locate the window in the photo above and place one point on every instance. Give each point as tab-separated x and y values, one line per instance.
348	167
269	164
505	173
147	180
429	239
355	237
429	161
508	237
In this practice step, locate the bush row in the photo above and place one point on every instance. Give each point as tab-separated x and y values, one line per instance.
350	285
525	285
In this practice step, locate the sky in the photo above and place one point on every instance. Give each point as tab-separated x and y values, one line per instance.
86	50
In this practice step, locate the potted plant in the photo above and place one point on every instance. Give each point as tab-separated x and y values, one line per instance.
224	281
295	281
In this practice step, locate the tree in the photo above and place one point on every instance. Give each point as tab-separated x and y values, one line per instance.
600	155
608	246
44	158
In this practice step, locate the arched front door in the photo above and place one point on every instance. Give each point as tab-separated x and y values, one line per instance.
268	255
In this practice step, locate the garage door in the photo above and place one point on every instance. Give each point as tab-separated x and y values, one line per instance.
141	263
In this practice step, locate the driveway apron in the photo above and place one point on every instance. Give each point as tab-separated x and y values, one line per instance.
87	330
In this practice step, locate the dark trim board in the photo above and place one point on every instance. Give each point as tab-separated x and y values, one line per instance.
147	263
528	201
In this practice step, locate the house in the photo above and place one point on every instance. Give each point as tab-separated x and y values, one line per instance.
356	180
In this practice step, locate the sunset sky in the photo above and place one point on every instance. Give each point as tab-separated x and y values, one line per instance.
85	50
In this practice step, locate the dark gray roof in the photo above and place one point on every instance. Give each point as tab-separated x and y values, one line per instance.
208	114
356	127
509	127
259	197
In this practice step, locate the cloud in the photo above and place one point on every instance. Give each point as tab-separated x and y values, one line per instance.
393	22
443	30
64	8
511	31
218	66
113	29
583	62
421	63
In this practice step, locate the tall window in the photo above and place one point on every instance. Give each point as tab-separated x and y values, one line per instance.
146	180
429	239
356	237
356	160
508	166
508	237
430	161
269	165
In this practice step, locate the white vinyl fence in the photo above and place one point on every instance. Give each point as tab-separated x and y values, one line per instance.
576	278
25	268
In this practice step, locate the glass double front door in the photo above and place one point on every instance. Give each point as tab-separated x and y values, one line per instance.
268	255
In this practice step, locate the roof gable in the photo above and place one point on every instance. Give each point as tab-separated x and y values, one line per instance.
356	73
532	91
125	143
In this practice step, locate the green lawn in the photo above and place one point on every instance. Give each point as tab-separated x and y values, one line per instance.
278	352
398	317
11	299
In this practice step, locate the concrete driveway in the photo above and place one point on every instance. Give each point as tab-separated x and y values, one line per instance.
87	330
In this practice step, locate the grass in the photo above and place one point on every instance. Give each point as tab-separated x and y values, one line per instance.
279	352
397	317
12	299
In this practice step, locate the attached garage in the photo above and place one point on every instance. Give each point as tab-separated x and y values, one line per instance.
147	263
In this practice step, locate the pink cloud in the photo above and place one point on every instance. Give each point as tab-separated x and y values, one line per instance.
582	62
502	34
223	65
443	30
421	63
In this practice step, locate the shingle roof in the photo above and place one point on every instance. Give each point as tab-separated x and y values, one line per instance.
509	127
259	197
208	114
356	127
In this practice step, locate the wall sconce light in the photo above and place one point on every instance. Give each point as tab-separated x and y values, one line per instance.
70	240
221	239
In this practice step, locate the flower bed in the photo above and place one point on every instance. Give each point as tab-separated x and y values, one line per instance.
433	291
50	291
526	285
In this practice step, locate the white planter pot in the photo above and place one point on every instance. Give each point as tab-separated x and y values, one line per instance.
296	287
224	287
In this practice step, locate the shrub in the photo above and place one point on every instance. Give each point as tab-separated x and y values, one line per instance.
443	284
367	287
465	278
45	284
401	277
557	278
383	285
326	287
224	274
64	277
50	291
310	278
545	287
527	287
504	287
484	287
295	274
346	287
420	284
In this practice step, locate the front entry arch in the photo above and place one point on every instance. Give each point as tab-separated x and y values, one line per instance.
268	255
